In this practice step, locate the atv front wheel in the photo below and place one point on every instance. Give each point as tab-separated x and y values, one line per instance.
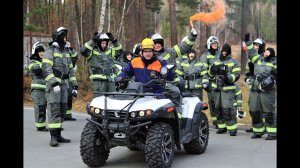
198	145
94	148
160	144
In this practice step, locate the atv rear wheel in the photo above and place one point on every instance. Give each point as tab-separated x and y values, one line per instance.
160	144
198	145
94	148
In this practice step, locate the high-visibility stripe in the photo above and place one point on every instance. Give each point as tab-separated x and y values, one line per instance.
185	65
179	72
88	46
71	65
54	125
235	104
236	69
254	58
185	56
198	86
189	42
205	80
108	52
203	73
167	56
113	53
232	127
179	115
69	112
262	129
218	63
96	52
73	78
49	76
118	48
177	49
198	64
118	73
98	76
213	85
74	55
205	64
271	130
40	124
214	118
238	93
233	77
30	66
57	55
68	55
45	60
210	56
270	64
222	125
239	101
250	47
177	62
230	64
229	87
38	86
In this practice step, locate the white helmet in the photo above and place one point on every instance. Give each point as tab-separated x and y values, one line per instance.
103	36
157	38
259	41
210	40
36	46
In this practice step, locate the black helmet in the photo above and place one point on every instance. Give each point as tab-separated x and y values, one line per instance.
59	34
227	48
261	44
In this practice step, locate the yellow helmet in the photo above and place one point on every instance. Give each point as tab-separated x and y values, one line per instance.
147	43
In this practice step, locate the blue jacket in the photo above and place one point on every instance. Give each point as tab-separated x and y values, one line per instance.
137	67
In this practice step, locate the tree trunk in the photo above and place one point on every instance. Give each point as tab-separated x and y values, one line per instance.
120	32
78	21
173	22
59	12
108	19
102	16
245	7
63	13
94	15
203	27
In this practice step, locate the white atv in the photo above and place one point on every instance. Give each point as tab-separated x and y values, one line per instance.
143	121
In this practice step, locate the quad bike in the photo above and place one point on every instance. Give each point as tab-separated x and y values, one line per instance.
144	121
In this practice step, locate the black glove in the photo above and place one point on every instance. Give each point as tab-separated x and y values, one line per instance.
214	69
95	37
247	37
74	91
110	36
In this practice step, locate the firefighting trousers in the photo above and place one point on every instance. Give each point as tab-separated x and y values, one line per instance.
100	86
39	99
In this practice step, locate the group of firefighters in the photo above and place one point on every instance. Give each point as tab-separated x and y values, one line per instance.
54	84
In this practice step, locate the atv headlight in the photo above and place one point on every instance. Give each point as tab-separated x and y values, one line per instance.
97	111
141	113
132	114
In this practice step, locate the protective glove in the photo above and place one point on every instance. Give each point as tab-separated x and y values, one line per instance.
56	89
110	36
214	69
74	93
194	32
247	37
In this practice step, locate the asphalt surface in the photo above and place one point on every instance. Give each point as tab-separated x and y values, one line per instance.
223	151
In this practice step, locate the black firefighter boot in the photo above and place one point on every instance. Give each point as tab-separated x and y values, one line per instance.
69	118
271	137
53	142
221	130
61	139
249	130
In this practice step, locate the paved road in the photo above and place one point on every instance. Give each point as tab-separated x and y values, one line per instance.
222	151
